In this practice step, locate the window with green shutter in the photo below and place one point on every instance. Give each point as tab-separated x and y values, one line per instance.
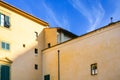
4	20
5	46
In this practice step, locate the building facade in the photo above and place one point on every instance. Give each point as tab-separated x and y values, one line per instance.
21	40
54	36
31	50
93	56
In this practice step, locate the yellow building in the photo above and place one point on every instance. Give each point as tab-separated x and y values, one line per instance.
58	34
22	37
93	56
21	40
30	50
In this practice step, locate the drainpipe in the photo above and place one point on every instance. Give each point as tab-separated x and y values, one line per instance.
58	64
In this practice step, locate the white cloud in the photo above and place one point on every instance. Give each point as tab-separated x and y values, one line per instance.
81	8
94	14
51	14
98	14
65	23
116	13
53	18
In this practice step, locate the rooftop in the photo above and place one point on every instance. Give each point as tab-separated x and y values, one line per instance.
113	23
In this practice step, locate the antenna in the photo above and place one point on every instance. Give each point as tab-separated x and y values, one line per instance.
111	18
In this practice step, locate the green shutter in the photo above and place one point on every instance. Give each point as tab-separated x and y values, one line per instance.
7	46
7	21
5	72
3	45
0	72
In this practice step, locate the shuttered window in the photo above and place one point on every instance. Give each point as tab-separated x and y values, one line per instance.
1	19
4	20
4	72
5	46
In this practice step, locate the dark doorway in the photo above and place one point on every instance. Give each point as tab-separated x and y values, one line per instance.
47	77
4	72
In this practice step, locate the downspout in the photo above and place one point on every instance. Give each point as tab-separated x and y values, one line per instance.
58	64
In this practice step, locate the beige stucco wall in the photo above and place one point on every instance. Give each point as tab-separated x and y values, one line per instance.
76	56
22	31
50	35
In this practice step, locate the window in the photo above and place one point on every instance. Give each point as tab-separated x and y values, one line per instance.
36	34
47	77
5	46
49	45
36	51
4	72
36	66
4	20
24	45
94	69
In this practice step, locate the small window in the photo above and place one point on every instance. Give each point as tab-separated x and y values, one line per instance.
36	66
24	45
36	51
47	77
94	69
5	46
36	33
49	45
4	20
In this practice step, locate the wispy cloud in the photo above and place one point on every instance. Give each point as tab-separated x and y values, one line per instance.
51	14
43	10
98	14
65	23
53	18
116	13
94	14
81	8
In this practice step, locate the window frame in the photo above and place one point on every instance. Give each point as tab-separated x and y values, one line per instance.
5	46
36	51
36	66
5	22
94	69
49	45
47	77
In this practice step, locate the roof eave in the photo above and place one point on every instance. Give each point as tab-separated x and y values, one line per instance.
12	8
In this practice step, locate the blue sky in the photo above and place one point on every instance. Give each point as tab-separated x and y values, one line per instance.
76	16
